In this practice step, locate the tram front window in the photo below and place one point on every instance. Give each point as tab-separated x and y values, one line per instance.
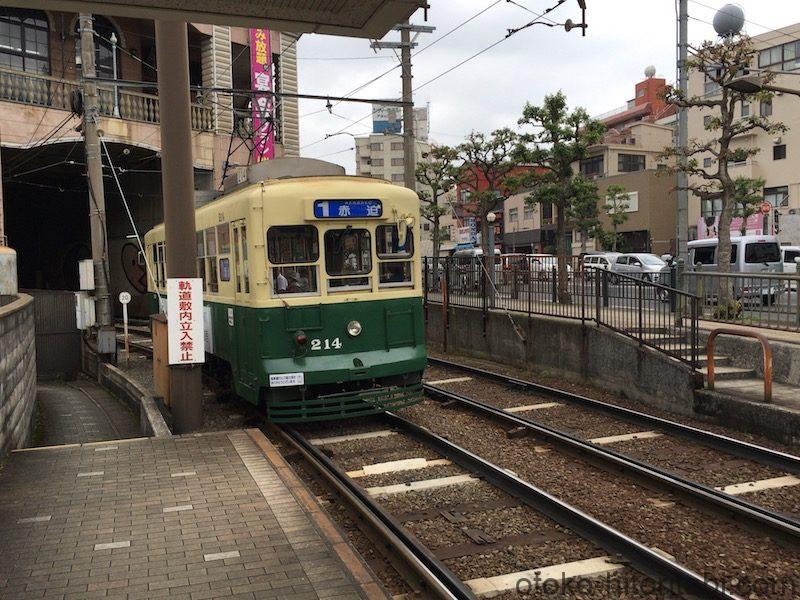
288	247
393	272
348	252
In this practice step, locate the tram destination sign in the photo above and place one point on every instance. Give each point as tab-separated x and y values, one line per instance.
348	209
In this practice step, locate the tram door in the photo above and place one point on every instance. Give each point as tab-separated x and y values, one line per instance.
245	326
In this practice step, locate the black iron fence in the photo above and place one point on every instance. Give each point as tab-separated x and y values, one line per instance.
646	307
767	300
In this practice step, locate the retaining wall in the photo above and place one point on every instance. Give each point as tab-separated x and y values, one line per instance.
746	353
151	421
570	349
17	372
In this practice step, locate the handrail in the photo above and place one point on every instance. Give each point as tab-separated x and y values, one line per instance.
767	353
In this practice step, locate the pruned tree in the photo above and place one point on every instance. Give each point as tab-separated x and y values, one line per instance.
721	63
438	173
559	138
616	204
583	212
748	196
486	170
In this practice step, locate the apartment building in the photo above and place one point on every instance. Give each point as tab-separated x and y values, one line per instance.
45	199
778	161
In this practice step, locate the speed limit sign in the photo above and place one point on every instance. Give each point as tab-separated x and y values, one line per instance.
765	208
124	297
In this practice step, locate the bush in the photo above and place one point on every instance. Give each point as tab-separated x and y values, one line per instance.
729	311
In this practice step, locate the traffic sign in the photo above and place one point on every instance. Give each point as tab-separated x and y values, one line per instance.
124	297
765	208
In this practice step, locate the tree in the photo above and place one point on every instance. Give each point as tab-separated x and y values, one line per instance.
559	138
748	198
487	164
720	64
438	174
583	208
616	206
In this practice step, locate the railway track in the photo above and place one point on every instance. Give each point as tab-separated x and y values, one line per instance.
407	503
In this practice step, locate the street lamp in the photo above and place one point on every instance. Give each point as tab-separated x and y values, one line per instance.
489	260
491	218
113	40
752	84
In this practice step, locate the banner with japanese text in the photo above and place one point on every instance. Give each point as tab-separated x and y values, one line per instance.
262	104
185	321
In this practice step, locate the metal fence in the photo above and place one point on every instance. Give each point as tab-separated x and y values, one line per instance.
767	300
653	314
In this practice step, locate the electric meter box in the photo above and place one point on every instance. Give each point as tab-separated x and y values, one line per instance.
86	274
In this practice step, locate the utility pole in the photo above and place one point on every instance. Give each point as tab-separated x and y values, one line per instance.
177	183
405	45
409	152
94	172
682	232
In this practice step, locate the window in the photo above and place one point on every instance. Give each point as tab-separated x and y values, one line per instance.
376	146
707	162
640	93
240	256
711	87
201	257
397	162
592	167
377	162
547	213
710	207
159	265
766	108
704	255
397	145
513	215
706	121
211	260
779	152
527	214
24	40
398	177
777	196
789	256
293	245
762	252
394	273
770	56
463	196
348	252
103	48
745	110
630	162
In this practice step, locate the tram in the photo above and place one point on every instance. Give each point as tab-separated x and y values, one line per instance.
312	294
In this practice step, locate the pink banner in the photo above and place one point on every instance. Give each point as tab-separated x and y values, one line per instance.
708	227
263	104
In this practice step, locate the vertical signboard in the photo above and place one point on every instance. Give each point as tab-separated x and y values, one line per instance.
262	104
185	321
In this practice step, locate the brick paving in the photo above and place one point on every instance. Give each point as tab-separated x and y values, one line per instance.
81	411
189	517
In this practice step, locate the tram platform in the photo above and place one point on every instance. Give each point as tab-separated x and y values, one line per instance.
213	515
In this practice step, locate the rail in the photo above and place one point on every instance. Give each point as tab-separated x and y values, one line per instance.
765	300
642	307
766	353
53	92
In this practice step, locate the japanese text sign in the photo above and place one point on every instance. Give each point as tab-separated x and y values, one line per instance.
263	104
347	209
185	321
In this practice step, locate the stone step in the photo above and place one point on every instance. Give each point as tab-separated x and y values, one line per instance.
723	373
719	361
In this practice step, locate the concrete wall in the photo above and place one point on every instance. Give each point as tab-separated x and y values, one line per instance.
567	348
746	353
151	421
17	372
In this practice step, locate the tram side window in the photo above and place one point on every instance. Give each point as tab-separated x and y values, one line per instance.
391	271
290	248
240	259
201	258
224	247
348	252
211	260
159	264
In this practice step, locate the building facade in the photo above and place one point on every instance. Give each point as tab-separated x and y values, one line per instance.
44	211
778	161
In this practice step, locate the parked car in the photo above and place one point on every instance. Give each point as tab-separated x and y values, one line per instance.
791	262
646	266
602	261
542	265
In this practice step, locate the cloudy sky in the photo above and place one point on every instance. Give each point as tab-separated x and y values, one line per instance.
597	72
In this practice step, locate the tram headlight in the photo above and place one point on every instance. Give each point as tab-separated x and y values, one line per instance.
354	328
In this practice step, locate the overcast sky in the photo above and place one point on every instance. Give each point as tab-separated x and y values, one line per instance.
597	72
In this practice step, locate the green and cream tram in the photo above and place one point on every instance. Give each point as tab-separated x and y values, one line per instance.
312	294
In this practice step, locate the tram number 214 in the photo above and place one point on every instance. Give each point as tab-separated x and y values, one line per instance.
326	344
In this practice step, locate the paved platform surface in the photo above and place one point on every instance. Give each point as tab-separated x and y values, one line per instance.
191	517
81	411
783	395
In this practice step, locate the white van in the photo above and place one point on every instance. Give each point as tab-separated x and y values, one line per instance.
791	260
749	254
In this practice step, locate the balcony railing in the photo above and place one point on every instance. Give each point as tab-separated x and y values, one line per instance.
52	92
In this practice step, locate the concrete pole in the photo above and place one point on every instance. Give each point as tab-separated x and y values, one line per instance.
683	131
94	172
409	152
2	217
177	182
